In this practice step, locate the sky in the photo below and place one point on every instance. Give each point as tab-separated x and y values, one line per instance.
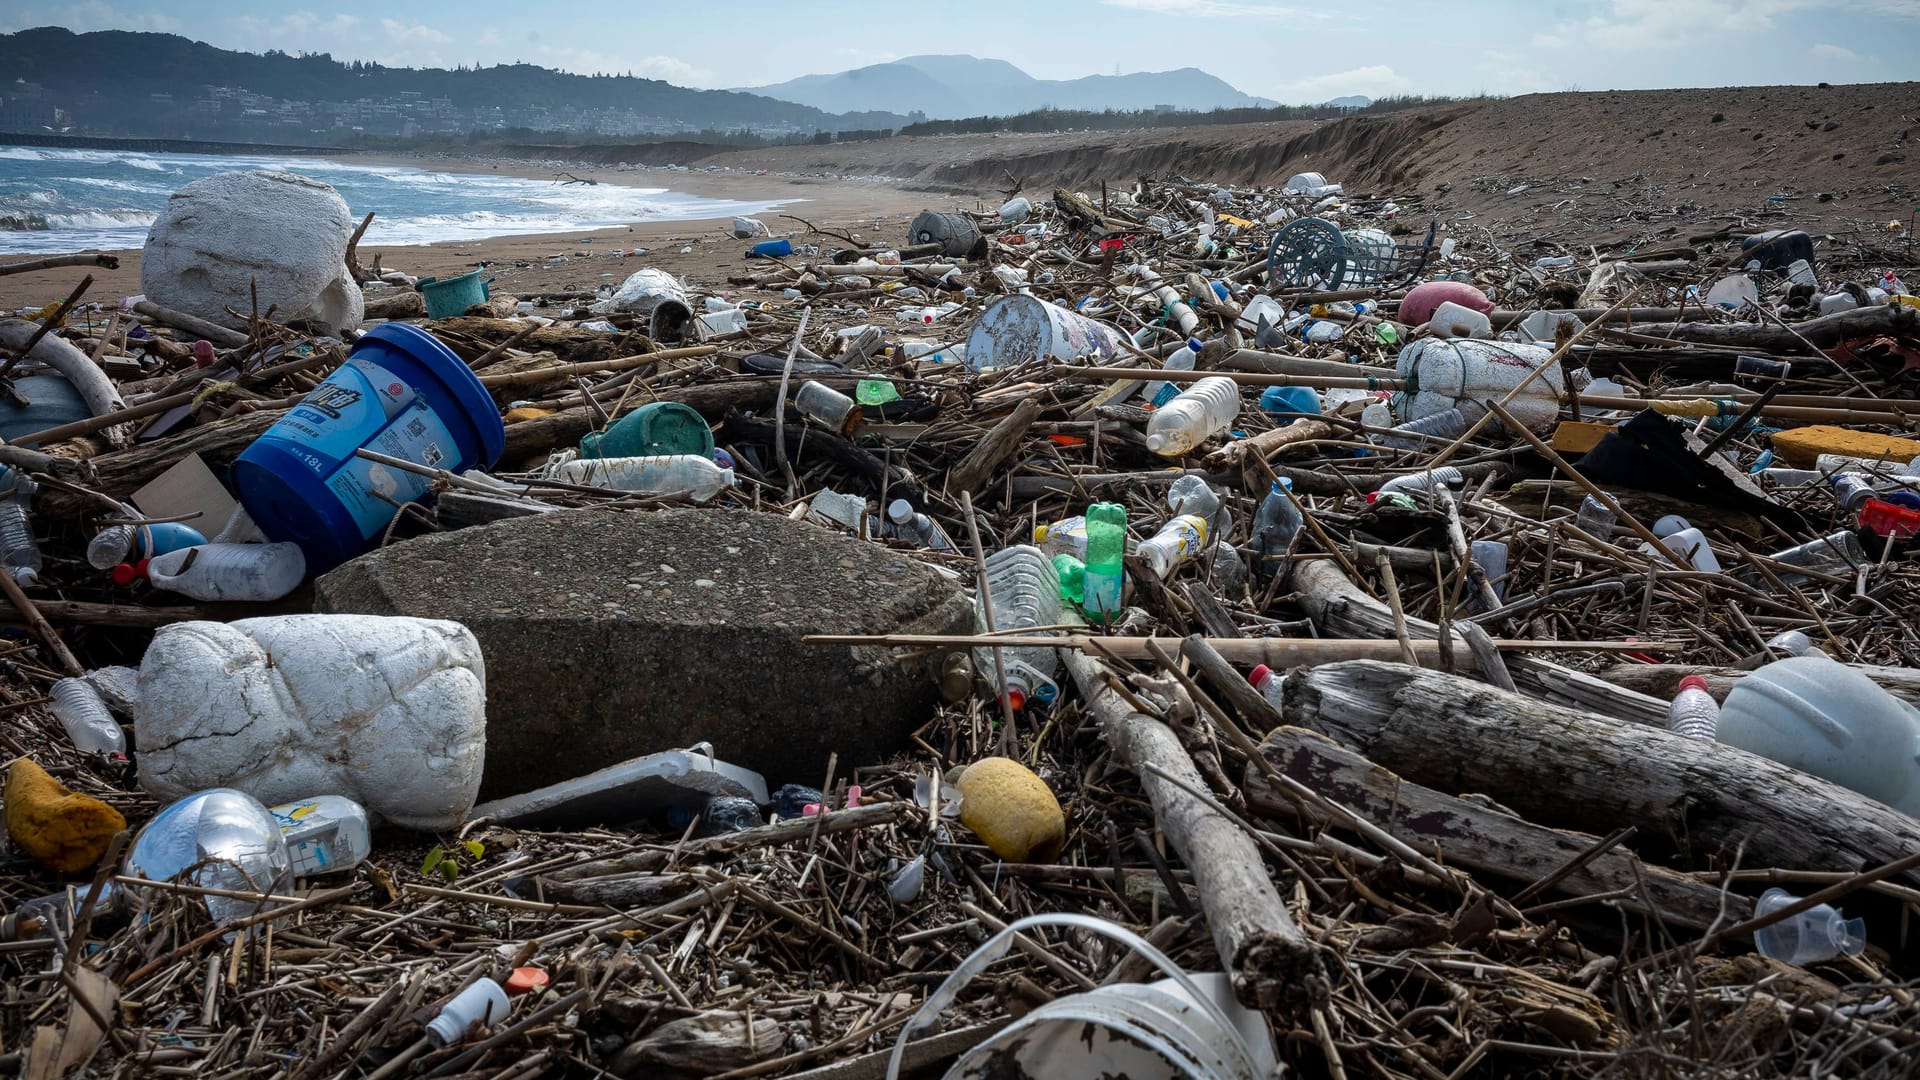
1293	51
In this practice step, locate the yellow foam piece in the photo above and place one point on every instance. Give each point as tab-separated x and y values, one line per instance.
1800	446
1011	810
58	828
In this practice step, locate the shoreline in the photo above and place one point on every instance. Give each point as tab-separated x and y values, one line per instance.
573	260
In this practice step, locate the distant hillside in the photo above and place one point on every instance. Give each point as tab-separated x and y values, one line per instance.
163	85
950	87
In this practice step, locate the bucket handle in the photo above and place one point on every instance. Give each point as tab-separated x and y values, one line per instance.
1001	943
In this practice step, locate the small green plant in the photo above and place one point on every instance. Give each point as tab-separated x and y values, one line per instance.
447	860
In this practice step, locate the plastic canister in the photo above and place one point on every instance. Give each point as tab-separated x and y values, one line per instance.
1016	329
1822	717
401	393
656	429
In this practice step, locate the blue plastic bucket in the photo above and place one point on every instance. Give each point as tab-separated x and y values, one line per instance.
454	295
401	393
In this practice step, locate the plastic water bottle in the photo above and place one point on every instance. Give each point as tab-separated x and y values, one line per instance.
80	710
1106	546
1073	578
1423	481
1191	495
1274	527
1836	553
1159	392
1067	536
1815	935
1594	518
1491	557
1194	415
245	572
1271	684
19	555
911	525
1791	642
699	478
484	1003
326	834
1026	595
1851	490
1228	568
1694	713
1445	426
1178	541
118	544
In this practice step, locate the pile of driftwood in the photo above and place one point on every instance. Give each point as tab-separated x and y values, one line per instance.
1464	845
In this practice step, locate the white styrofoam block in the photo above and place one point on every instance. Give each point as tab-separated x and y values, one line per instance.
387	711
220	234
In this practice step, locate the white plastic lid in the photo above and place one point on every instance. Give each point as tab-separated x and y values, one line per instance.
1669	525
900	511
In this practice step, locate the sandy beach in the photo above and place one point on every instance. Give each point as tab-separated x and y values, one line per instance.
581	260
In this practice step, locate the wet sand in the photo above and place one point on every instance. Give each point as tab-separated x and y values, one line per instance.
575	261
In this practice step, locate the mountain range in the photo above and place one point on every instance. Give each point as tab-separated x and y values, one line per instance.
952	87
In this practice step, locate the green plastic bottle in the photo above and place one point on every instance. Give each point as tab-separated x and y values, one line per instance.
875	391
1072	573
1106	544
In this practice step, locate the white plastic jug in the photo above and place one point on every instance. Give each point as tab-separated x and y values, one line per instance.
1820	716
1451	320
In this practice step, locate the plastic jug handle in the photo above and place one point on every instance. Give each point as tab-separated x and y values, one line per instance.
1001	943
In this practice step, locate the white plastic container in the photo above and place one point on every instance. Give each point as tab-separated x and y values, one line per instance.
1451	320
241	572
1178	541
1026	594
1449	371
1541	326
1197	413
1668	524
717	323
325	834
698	478
1262	306
1687	547
1018	329
84	715
485	1003
1815	935
1693	712
1822	717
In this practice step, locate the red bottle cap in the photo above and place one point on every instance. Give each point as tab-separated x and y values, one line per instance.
1261	673
1693	682
128	573
525	980
203	353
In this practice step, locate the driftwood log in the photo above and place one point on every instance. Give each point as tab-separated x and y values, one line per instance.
1340	609
1271	962
123	472
1467	833
1824	332
995	447
1567	769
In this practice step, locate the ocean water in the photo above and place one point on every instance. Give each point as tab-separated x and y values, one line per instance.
54	201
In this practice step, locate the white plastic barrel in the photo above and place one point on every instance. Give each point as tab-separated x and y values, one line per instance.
1015	329
1440	374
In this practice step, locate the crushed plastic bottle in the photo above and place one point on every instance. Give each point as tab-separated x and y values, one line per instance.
326	834
1815	935
1067	536
1194	415
1594	518
1026	595
1445	475
1177	542
216	839
1440	428
1191	495
698	478
1274	528
84	715
19	554
1693	712
1791	643
1837	553
239	572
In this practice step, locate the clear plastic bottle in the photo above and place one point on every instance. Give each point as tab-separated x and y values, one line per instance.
699	478
1693	712
1228	568
1815	935
1491	557
1423	481
84	715
19	555
1026	594
326	834
1791	643
118	544
1159	392
1178	541
1106	546
1067	536
1274	528
1191	495
1271	684
1195	414
1836	553
1594	518
1446	426
916	527
245	572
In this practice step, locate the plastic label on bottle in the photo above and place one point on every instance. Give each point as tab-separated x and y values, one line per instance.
364	404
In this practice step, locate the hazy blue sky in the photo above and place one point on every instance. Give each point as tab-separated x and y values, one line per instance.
1289	50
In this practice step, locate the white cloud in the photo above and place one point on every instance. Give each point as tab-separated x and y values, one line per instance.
1214	9
672	69
1376	80
400	32
1833	52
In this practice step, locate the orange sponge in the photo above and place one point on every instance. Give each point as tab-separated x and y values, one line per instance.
1800	446
60	829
